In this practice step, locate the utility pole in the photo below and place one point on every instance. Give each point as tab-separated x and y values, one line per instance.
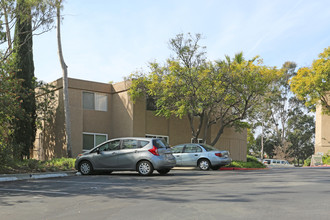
262	141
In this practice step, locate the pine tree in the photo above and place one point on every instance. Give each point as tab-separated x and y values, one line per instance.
24	128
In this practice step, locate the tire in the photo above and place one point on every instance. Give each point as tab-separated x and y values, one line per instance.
204	164
85	167
164	171
215	167
145	168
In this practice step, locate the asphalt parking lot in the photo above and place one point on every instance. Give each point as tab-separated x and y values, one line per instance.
183	194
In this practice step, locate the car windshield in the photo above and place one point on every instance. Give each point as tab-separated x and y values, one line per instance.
208	147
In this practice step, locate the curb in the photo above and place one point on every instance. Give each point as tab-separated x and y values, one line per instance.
237	168
184	168
29	176
317	167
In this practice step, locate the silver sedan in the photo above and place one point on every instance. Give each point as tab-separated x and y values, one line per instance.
200	155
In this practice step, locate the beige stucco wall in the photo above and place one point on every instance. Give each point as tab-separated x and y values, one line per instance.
179	132
54	141
322	132
123	118
121	111
233	141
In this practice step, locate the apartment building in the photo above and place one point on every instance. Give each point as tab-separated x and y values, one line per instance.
322	132
102	111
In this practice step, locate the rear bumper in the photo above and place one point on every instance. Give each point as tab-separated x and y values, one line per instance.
221	161
163	163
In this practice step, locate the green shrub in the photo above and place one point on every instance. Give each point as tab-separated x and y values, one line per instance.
251	162
307	162
31	165
326	160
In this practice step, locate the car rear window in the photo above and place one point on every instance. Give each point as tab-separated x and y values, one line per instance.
159	143
208	147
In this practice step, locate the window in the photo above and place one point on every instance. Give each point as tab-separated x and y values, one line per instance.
109	146
199	140
151	103
95	101
208	147
178	149
130	144
91	140
143	143
165	138
191	148
159	143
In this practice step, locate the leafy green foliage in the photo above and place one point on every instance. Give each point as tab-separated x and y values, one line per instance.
10	107
312	84
24	127
288	129
251	162
223	92
31	165
45	104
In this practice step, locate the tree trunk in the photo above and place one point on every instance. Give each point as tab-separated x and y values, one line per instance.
220	131
65	84
10	47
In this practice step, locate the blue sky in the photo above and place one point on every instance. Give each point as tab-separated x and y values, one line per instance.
106	40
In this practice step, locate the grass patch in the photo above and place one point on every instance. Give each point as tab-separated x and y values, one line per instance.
251	162
31	165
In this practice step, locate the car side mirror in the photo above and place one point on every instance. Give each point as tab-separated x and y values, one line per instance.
98	150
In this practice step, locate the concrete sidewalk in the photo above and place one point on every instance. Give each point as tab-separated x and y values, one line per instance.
28	176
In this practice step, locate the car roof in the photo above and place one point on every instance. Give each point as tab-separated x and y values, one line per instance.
135	138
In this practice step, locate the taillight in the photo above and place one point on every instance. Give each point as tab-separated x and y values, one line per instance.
218	154
154	151
79	155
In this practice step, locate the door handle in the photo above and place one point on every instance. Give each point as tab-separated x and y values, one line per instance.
196	154
114	153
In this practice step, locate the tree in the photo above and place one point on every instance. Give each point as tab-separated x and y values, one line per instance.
176	86
242	85
301	132
10	106
27	17
312	84
41	15
209	93
24	134
65	81
279	112
273	112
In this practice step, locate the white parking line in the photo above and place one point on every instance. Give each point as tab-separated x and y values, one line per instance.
35	191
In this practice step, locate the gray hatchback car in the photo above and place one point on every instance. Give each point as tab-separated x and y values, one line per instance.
143	155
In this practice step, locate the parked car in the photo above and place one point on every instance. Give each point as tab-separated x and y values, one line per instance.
143	155
277	163
200	155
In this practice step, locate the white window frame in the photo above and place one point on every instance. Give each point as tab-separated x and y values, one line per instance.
97	96
199	140
158	136
89	133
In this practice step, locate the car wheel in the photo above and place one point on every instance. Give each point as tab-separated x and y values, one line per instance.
215	167
164	171
85	168
145	168
204	164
